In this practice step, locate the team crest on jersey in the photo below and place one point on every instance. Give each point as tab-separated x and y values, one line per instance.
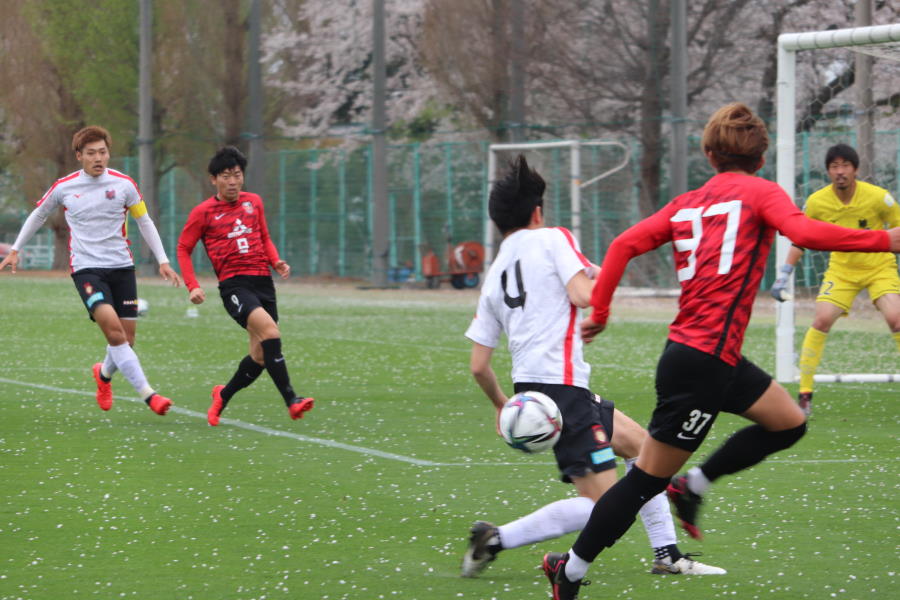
248	207
110	194
863	223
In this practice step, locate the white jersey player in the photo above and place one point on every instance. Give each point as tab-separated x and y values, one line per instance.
532	294
95	211
524	295
96	201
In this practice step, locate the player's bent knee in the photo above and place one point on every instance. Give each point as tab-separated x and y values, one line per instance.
823	325
788	437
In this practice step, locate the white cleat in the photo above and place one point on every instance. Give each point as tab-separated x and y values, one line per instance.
685	566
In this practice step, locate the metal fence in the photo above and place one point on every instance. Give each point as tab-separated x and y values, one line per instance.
319	208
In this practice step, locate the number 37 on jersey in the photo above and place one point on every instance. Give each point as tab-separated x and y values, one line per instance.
724	238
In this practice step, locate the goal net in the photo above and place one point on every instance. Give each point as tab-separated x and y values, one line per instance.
587	188
837	86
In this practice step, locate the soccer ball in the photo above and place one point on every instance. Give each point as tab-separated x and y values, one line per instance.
143	307
530	422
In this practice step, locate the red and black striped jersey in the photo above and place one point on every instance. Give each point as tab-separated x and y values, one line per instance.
721	235
235	235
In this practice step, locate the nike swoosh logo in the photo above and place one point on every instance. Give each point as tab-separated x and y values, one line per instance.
217	217
279	359
681	436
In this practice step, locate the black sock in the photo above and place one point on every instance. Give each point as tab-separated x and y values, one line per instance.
616	510
670	552
246	373
748	447
277	369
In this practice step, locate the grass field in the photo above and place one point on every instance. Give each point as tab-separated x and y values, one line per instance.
371	495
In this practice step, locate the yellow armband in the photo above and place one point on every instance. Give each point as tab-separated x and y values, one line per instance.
138	210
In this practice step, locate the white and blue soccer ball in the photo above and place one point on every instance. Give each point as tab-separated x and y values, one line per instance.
142	307
530	422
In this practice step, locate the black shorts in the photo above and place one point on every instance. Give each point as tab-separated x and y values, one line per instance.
693	387
585	444
242	294
116	287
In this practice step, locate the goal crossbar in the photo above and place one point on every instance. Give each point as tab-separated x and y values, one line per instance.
575	182
788	45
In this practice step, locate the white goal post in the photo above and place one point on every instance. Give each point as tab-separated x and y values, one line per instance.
575	182
883	41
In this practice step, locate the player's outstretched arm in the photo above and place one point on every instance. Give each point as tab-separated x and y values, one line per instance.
197	295
579	289
894	235
779	289
168	273
12	259
590	328
283	269
480	365
31	225
191	233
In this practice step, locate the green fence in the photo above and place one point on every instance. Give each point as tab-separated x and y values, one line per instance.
319	208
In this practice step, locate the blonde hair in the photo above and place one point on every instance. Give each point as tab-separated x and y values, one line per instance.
89	135
736	139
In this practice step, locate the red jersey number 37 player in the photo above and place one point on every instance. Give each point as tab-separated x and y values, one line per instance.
232	226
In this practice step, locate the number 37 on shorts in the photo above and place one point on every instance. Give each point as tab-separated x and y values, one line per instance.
692	428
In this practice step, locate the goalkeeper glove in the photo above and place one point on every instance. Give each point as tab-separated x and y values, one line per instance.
779	288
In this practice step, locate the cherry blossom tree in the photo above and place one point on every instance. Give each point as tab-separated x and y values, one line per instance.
321	64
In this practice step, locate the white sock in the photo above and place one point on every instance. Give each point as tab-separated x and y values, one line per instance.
656	517
109	366
550	521
697	481
127	362
576	568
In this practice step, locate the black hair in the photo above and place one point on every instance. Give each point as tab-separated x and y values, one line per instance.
514	197
227	158
842	151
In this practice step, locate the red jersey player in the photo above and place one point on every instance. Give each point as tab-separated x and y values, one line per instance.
721	235
532	292
232	226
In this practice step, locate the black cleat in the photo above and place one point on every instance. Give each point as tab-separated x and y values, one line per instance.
484	545
555	569
687	505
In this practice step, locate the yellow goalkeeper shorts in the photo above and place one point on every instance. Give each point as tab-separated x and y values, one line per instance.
840	285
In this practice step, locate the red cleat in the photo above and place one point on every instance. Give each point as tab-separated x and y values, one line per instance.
104	389
687	505
159	404
300	406
215	409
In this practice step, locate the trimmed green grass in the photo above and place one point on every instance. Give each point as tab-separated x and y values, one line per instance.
371	495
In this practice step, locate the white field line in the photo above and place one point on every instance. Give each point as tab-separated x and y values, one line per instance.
358	449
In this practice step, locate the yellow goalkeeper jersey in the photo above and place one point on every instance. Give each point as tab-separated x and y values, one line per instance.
871	207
